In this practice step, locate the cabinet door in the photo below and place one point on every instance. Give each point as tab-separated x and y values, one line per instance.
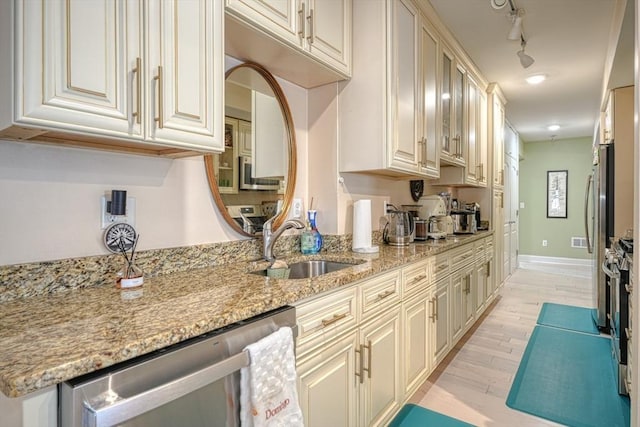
327	384
328	32
185	73
447	145
440	321
81	66
458	289
430	155
416	351
468	297
498	142
244	138
280	17
226	163
472	168
380	349
404	151
482	139
481	276
460	110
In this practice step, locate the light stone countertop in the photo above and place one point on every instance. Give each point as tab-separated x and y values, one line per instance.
45	340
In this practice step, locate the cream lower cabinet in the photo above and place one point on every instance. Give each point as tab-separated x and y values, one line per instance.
138	76
348	354
327	384
440	320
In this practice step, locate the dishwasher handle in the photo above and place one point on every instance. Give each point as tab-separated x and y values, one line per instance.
114	410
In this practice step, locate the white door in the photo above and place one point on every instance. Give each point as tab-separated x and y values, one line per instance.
511	157
513	213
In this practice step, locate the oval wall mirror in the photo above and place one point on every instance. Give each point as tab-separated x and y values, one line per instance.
254	178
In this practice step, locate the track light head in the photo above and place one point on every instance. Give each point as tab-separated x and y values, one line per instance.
516	28
525	60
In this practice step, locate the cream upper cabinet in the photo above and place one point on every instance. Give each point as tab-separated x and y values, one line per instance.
429	101
404	87
317	30
116	75
395	92
183	73
244	138
496	133
453	99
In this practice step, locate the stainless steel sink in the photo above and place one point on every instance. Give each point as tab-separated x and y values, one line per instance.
311	268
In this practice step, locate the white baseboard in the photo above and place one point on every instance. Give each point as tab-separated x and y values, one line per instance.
536	259
566	266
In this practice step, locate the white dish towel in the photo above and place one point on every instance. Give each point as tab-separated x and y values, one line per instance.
268	394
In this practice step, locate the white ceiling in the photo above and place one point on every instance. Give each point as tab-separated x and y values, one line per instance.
568	40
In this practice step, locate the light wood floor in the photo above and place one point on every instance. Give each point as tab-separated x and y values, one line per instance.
473	382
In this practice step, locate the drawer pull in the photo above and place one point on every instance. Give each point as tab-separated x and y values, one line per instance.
419	278
385	294
334	319
441	267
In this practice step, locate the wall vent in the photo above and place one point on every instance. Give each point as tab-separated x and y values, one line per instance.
578	242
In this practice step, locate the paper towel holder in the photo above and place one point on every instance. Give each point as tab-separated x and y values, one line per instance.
416	187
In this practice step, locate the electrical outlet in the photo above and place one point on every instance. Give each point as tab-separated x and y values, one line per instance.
544	243
107	219
296	208
385	207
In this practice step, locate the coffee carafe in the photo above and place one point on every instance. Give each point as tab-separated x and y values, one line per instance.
398	229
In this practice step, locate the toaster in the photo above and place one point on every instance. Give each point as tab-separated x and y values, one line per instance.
464	222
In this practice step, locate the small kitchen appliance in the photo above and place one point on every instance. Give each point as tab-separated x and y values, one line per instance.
434	209
464	222
399	228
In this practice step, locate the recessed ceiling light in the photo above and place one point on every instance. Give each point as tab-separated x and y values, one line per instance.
553	127
536	79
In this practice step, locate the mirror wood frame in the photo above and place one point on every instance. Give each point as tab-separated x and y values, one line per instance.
291	150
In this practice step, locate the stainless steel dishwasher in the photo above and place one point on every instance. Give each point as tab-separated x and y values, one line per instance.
193	383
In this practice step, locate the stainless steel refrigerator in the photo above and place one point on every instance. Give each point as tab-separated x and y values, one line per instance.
599	226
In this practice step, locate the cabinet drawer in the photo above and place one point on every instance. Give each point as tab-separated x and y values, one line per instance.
488	245
441	266
461	257
379	293
325	318
416	277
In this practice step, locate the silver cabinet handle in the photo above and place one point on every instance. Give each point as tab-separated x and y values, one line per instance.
310	20
301	21
160	79
419	278
432	316
368	368
110	414
360	373
587	191
334	319
138	71
385	294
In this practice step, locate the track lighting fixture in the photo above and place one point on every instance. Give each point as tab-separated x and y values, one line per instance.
525	60
516	28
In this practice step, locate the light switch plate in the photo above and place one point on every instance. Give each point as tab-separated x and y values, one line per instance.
129	217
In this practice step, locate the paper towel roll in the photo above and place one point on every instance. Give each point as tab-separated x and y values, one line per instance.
362	226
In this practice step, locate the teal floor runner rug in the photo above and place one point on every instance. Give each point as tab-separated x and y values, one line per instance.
416	416
568	317
567	377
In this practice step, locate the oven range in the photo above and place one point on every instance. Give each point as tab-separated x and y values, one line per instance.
616	267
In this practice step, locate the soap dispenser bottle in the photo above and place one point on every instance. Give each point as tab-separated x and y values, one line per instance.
317	237
307	241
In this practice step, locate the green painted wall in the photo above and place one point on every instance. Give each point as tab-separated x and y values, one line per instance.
573	155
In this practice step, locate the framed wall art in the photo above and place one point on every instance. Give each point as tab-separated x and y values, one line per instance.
557	194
